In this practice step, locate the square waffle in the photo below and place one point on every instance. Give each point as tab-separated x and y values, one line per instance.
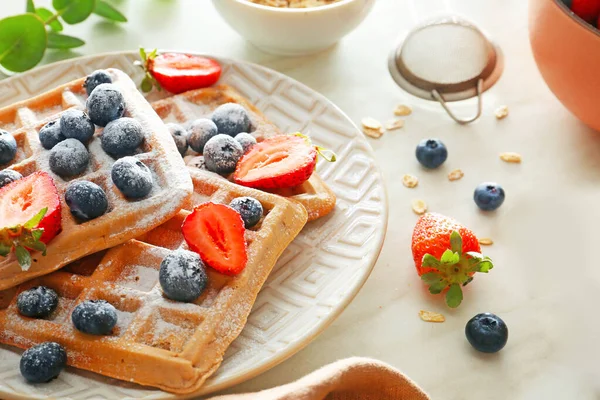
125	219
158	342
314	194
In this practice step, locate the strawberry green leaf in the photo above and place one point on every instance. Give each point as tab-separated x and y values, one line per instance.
475	255
37	234
143	55
454	296
468	281
437	287
153	54
36	219
483	266
107	11
431	278
4	250
327	154
430	261
36	245
146	85
450	257
456	242
23	257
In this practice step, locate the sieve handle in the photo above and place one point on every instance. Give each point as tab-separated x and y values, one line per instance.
436	95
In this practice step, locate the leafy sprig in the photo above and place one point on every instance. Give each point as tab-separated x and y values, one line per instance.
454	270
24	38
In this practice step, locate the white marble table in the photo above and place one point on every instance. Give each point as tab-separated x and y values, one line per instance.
546	281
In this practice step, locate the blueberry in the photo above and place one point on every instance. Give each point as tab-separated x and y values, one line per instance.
231	119
43	362
105	104
86	200
182	275
122	137
200	132
8	147
132	177
431	153
94	79
50	135
487	333
37	302
96	317
69	158
246	140
8	176
489	196
222	153
76	124
249	208
179	136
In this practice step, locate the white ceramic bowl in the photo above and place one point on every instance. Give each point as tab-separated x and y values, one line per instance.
293	31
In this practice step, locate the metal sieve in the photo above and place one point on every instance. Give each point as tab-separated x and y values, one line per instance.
446	59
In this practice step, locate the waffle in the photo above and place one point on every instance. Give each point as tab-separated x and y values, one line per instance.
124	219
158	342
314	194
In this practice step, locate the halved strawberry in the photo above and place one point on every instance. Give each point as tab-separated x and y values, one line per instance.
178	72
216	232
279	162
30	216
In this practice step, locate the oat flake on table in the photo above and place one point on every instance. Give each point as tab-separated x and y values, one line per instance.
455	175
402	110
410	181
501	112
419	207
486	242
373	133
430	316
394	124
510	157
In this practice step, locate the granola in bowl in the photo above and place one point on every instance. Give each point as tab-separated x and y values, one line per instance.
294	3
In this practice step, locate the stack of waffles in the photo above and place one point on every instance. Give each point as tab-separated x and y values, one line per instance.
171	345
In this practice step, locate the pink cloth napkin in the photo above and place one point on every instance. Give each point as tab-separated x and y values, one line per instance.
350	379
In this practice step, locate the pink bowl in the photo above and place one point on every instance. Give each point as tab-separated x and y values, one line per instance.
567	53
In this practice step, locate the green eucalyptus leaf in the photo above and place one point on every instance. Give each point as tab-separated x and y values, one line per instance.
107	11
30	7
74	11
454	296
60	41
45	15
456	242
22	42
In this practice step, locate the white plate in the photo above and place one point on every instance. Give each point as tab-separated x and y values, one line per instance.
318	274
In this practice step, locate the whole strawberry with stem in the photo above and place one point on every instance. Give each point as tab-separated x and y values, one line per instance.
30	216
446	256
